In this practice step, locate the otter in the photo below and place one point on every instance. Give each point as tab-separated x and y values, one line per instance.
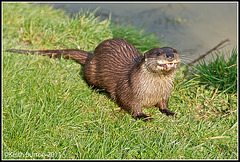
134	81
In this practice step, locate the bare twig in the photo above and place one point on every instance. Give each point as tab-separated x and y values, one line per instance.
214	48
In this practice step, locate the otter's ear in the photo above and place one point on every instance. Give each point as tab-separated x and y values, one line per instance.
146	54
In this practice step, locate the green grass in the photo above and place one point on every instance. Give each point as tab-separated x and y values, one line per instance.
49	112
218	73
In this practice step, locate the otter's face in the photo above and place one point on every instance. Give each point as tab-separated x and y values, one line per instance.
162	59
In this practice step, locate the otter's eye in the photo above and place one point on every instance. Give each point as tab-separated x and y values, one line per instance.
158	54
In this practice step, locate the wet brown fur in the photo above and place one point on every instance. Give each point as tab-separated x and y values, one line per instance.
132	80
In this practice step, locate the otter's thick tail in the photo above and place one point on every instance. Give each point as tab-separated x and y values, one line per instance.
78	55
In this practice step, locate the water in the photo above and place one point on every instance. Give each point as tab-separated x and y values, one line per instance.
191	28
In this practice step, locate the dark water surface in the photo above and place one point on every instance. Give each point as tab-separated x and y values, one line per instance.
192	28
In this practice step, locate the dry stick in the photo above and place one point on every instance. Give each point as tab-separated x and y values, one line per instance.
202	56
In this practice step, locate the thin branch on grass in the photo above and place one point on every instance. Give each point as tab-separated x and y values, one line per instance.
214	48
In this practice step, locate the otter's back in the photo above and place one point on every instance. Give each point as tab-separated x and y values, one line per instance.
111	63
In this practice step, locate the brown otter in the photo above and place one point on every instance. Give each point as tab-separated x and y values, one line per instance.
132	80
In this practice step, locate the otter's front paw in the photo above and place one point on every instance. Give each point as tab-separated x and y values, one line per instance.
167	112
145	117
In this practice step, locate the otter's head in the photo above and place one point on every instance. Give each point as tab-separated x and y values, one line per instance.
162	60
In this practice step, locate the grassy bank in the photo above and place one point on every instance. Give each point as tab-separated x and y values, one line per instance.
49	112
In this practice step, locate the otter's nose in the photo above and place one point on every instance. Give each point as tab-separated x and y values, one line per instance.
170	55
